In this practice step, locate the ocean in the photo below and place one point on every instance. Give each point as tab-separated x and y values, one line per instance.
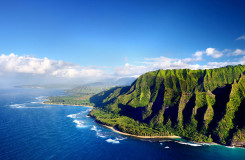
30	130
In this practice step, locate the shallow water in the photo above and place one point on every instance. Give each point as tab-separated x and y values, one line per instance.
31	130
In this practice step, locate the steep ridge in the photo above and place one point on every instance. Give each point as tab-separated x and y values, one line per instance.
201	105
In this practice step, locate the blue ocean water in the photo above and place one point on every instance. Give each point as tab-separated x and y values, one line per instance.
31	130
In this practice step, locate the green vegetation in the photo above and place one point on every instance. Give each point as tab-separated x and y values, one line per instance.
70	100
127	124
85	90
78	96
201	105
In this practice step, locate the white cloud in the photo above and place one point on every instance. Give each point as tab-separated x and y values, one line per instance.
238	52
241	37
213	53
130	70
51	69
13	63
198	55
151	64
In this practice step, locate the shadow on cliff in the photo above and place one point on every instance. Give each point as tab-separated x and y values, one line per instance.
222	98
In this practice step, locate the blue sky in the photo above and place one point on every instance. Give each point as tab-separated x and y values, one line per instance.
121	37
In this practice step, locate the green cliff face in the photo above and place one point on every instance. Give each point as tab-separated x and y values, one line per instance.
202	105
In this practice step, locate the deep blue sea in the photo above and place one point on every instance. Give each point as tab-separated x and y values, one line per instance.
32	130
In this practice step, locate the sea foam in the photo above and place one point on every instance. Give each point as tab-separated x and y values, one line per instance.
189	144
98	132
79	123
17	105
25	106
41	98
79	115
113	141
121	138
116	140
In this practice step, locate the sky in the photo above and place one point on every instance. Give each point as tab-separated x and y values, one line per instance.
92	40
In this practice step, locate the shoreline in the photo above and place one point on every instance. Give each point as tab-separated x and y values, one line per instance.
142	137
68	105
164	137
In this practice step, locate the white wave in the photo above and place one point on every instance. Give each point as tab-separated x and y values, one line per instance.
121	138
230	146
72	116
94	128
35	102
161	143
24	106
116	140
208	144
166	147
113	141
78	115
17	105
80	123
98	132
185	143
100	135
190	144
41	98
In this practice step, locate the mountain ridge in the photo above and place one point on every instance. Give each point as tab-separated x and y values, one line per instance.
200	105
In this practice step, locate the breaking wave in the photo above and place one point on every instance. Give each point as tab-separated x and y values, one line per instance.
17	105
79	115
182	142
189	144
35	102
79	123
114	141
98	132
25	106
41	98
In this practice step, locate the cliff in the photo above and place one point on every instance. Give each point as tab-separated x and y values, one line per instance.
201	105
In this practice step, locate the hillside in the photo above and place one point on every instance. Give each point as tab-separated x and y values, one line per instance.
200	105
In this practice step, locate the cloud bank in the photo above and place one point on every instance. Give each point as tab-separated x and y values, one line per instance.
151	64
29	67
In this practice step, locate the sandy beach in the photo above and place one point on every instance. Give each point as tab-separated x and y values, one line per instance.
145	137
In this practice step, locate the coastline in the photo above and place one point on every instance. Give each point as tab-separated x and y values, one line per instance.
163	137
143	137
68	104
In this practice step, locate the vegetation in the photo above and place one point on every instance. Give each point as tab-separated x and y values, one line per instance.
127	124
77	96
71	100
201	105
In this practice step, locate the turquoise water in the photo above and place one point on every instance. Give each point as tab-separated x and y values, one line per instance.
31	130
